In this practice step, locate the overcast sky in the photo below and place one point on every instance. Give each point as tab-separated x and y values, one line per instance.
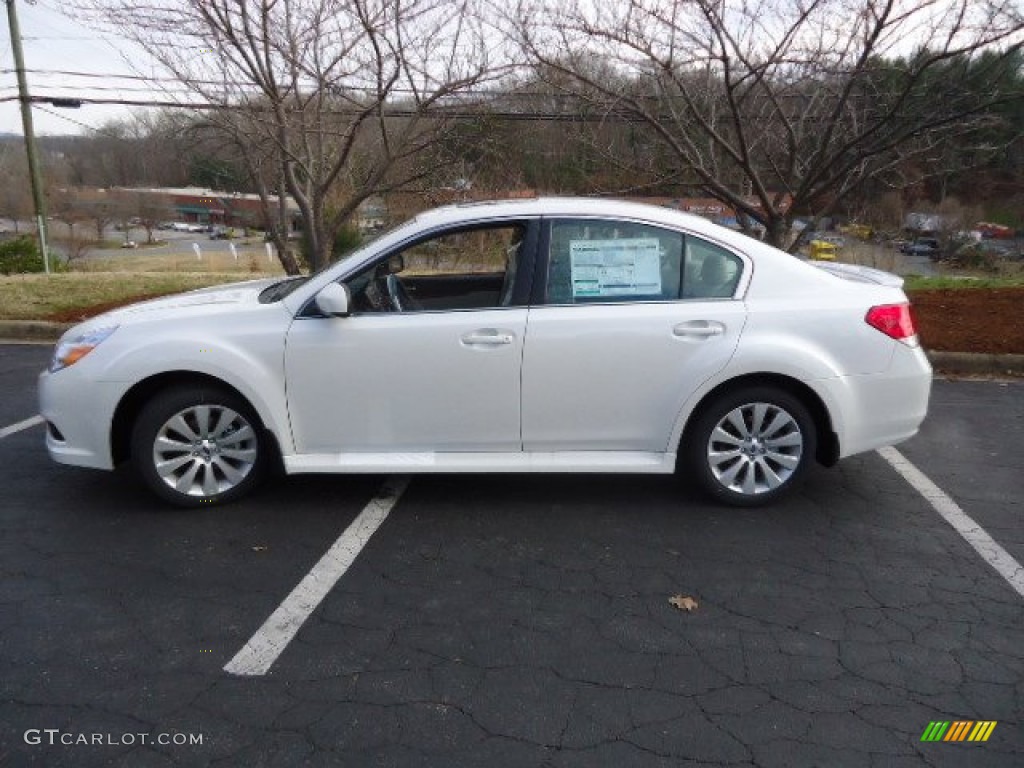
53	41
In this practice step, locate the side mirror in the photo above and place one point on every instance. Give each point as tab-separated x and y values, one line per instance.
334	300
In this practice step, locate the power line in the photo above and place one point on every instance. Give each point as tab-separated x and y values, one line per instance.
37	38
243	84
104	75
77	122
449	112
110	88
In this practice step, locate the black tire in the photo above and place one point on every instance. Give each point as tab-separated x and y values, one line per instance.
740	465
227	465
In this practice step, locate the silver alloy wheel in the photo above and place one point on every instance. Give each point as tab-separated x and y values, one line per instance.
205	450
755	448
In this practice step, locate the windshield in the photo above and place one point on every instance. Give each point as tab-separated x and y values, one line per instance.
282	288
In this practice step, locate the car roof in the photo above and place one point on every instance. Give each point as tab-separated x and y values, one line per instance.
571	206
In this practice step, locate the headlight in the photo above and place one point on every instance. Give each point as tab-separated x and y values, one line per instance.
70	351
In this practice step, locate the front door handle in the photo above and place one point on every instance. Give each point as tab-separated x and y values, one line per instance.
487	337
698	329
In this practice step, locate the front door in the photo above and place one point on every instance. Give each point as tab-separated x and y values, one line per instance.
412	375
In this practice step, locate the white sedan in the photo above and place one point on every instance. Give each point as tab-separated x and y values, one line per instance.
545	335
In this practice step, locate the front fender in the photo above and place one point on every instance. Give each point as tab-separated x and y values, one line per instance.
246	357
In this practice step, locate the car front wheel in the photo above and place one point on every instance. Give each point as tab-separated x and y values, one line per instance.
198	445
751	446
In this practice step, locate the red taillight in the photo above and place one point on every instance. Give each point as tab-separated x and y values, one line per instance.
893	320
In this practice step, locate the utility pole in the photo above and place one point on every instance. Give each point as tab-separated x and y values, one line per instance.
30	137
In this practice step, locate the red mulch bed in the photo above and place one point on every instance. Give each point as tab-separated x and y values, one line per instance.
971	319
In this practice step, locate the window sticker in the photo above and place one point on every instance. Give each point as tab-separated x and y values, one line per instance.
607	268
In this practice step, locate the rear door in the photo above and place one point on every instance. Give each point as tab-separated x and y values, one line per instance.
628	320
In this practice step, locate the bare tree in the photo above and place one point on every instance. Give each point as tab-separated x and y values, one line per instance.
144	209
329	100
66	206
774	106
15	193
102	207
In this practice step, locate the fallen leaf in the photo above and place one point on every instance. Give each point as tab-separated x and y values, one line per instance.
683	602
259	549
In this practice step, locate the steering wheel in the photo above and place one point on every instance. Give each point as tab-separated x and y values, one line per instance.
400	299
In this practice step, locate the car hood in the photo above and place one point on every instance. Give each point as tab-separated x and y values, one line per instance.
233	293
204	298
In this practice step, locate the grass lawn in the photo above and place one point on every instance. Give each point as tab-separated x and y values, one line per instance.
109	280
37	297
955	282
252	258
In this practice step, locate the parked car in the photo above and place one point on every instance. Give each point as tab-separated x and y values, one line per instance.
822	250
290	235
922	246
545	335
989	230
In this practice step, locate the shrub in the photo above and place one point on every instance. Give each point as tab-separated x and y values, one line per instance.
346	240
975	257
19	256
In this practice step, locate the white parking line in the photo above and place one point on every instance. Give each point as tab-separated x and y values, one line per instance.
989	549
21	425
270	640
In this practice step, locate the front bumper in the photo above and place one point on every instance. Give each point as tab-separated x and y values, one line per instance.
82	411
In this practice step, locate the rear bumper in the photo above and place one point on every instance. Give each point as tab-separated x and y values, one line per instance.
885	408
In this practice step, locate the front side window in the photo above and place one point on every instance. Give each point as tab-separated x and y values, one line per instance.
596	260
467	268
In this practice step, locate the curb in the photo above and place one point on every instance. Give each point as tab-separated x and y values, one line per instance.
970	363
976	364
31	330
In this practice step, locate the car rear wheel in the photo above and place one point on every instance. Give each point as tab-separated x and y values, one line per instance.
198	445
751	446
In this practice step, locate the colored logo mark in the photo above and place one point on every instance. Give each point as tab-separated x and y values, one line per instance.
959	730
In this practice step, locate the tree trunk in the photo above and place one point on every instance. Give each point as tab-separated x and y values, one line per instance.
286	255
776	231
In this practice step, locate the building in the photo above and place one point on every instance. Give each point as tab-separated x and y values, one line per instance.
204	206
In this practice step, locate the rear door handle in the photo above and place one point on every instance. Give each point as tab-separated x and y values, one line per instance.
487	337
698	329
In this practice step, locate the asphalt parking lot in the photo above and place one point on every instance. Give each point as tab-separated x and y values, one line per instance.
515	620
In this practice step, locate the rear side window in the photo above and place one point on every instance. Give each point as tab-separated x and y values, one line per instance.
710	272
599	260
